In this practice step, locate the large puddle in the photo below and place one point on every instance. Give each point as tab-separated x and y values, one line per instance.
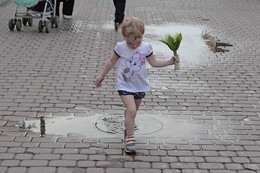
194	47
97	126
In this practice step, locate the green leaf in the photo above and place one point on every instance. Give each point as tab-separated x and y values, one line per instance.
176	45
163	41
171	42
166	42
178	39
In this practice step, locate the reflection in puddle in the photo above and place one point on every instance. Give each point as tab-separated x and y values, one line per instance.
42	126
214	44
110	125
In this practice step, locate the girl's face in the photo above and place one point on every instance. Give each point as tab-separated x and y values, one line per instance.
132	42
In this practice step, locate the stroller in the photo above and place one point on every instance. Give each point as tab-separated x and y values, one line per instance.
45	10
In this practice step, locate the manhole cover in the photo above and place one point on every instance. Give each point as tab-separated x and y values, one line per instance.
116	124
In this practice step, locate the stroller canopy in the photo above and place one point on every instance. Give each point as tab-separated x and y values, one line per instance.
26	3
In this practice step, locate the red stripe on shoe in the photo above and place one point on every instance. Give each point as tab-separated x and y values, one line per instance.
130	142
130	139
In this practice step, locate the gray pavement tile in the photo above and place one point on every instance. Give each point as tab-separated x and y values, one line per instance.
212	103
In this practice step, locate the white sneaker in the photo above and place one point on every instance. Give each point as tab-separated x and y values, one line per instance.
66	17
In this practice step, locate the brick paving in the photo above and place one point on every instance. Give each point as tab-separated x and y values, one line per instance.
52	75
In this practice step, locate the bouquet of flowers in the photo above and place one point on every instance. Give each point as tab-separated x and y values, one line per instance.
173	42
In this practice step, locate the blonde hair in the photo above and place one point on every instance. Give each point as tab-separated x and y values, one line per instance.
132	26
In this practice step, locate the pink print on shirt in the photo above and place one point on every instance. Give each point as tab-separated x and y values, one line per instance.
133	66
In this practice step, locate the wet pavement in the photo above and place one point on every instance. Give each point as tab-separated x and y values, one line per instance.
204	118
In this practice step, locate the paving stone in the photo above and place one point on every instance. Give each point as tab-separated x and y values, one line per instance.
70	170
23	156
17	169
206	153
183	165
119	170
42	169
39	150
179	153
32	163
160	166
211	166
107	164
65	151
77	145
51	145
147	170
53	74
86	164
45	139
88	151
194	170
97	157
158	153
7	156
110	140
137	165
171	171
234	166
218	159
22	139
95	170
6	138
10	163
16	150
252	166
191	159
73	157
62	163
224	171
47	156
3	149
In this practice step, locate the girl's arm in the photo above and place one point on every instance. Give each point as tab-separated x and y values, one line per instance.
161	63
111	62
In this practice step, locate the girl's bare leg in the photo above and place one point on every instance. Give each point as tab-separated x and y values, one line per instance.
132	105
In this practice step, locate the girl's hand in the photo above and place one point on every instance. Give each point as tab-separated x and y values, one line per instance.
98	81
176	58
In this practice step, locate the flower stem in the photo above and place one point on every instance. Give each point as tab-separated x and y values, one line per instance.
176	65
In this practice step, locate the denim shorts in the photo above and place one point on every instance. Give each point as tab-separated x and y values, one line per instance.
137	95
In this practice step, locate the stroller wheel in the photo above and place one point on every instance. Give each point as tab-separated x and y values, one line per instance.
40	25
24	21
56	21
52	21
47	26
19	24
30	22
11	24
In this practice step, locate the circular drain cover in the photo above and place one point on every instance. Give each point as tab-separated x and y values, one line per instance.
116	124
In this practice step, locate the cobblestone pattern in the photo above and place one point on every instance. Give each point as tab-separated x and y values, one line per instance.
52	75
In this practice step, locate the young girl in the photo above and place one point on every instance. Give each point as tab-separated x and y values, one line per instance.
132	80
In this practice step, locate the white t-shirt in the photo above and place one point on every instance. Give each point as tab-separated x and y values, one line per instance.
131	71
